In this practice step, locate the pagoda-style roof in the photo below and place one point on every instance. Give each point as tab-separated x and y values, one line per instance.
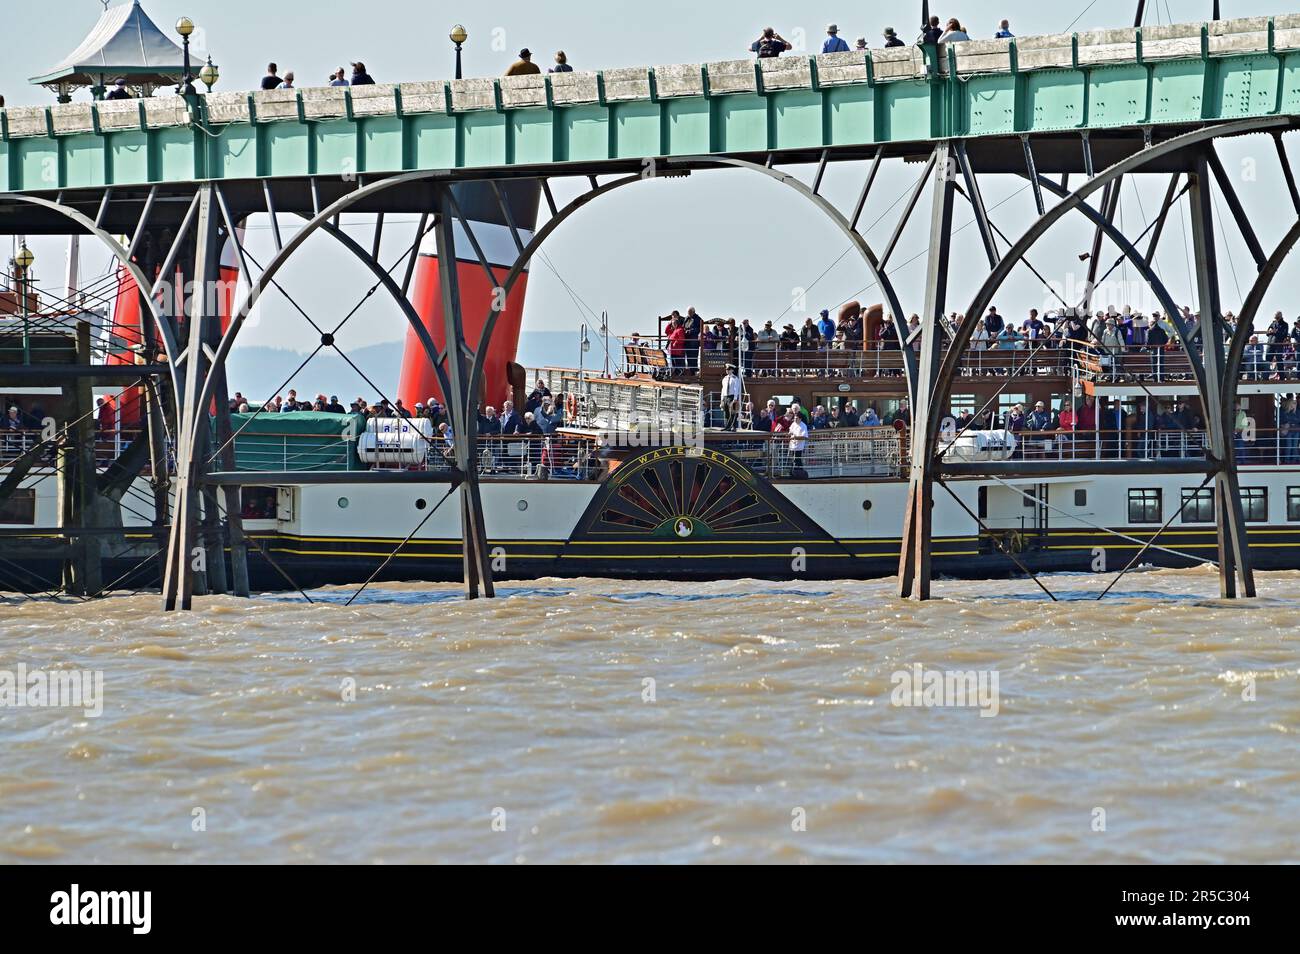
124	43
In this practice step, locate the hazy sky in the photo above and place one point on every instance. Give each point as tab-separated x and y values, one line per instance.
728	242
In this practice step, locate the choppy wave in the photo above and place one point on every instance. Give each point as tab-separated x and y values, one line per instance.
596	720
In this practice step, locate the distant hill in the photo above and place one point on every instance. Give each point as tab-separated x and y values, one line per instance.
254	371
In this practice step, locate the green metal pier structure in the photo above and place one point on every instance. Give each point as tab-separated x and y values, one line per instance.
1074	114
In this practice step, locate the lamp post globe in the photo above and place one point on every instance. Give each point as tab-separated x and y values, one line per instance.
209	74
24	259
458	36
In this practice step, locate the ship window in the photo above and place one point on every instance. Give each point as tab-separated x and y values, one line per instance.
258	503
19	507
1144	505
1293	504
1081	498
1198	505
1254	500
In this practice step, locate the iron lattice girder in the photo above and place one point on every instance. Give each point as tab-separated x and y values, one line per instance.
1054	153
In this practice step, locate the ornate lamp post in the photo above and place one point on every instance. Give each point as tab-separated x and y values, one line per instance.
22	265
185	26
458	36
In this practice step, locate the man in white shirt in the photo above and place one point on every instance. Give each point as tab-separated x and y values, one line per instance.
798	439
731	393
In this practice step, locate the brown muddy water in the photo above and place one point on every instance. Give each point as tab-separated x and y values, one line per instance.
525	729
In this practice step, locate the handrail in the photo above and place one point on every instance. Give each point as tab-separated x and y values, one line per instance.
1115	363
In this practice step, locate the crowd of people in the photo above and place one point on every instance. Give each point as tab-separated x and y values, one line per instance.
1056	337
542	411
769	44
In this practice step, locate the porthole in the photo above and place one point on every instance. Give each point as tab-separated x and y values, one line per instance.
522	505
343	503
421	504
866	505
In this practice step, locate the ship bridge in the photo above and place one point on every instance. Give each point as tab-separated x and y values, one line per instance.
1074	114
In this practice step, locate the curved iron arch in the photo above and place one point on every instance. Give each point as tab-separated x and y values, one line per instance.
144	287
1075	200
1254	299
323	218
857	239
277	261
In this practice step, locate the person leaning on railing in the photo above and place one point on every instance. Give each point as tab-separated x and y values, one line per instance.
765	343
745	341
810	339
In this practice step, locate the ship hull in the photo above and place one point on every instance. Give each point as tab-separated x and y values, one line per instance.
843	529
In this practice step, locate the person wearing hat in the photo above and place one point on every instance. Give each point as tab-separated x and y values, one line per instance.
732	391
561	63
834	43
359	75
891	38
861	44
789	338
119	91
524	66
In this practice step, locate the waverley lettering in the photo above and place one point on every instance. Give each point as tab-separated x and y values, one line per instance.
103	907
59	688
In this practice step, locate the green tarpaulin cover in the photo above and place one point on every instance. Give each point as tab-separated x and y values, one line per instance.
297	440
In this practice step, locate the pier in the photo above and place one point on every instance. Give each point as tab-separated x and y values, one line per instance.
1076	115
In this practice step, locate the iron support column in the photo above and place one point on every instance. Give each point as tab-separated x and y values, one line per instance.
914	556
1234	548
462	405
184	551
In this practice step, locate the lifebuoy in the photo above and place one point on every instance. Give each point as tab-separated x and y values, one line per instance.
570	408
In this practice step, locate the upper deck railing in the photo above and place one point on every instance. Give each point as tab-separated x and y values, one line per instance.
1091	80
1117	364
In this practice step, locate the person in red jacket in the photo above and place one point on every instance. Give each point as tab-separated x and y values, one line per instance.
677	346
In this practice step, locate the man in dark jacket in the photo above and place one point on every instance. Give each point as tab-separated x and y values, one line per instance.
694	332
993	322
510	420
